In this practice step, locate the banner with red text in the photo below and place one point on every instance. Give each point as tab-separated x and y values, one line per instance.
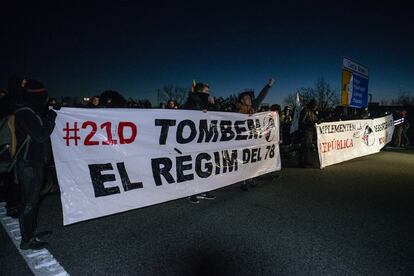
113	160
345	140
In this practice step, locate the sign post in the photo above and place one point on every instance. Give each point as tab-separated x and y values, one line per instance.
354	84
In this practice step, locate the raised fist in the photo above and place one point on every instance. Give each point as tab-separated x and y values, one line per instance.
271	82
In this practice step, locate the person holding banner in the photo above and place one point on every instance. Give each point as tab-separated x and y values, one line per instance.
398	131
171	105
406	126
248	105
199	99
307	121
34	126
94	102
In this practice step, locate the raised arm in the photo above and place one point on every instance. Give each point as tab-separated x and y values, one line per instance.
258	101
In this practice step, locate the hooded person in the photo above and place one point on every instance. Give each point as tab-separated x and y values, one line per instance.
34	124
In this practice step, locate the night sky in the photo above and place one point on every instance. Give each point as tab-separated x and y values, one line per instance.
136	47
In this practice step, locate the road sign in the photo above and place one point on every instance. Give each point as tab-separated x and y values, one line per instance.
354	84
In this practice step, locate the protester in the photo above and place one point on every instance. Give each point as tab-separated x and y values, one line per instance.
112	99
405	127
287	115
171	105
340	113
307	121
33	128
398	129
365	114
200	99
50	184
11	188
248	105
94	102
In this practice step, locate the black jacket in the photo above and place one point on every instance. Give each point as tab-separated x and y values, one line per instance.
197	101
307	120
39	128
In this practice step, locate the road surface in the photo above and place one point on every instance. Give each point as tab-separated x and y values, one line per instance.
354	218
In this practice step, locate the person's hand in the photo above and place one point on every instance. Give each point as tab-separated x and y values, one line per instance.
271	82
51	114
57	107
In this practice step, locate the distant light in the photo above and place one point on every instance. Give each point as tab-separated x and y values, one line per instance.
85	99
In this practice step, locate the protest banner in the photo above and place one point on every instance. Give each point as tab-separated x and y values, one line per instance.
113	160
345	140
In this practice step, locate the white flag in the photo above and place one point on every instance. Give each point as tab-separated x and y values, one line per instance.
298	108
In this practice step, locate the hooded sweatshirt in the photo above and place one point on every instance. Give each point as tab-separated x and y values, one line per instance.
35	123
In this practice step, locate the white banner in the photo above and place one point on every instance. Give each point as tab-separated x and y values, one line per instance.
345	140
113	160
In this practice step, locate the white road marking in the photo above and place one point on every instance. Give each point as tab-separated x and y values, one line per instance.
61	274
40	262
40	252
46	264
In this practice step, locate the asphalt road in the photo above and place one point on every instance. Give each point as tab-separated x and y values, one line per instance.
354	218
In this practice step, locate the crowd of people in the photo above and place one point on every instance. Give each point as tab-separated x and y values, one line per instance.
28	121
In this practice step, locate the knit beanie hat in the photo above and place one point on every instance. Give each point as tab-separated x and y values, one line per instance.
35	94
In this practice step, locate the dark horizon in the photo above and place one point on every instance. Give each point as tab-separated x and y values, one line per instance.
83	49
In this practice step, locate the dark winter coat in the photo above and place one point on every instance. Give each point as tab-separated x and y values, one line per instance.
38	127
242	108
197	101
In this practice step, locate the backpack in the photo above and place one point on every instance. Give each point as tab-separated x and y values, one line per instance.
8	142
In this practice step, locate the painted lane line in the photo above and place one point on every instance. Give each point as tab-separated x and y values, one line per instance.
41	252
61	274
47	264
40	262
